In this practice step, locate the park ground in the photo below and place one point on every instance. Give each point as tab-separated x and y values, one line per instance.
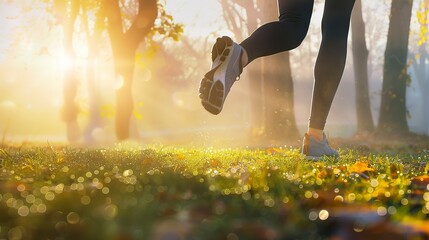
130	191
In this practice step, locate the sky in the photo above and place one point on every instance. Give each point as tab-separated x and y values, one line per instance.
200	17
7	14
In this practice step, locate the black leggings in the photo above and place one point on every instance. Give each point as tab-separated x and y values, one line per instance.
290	31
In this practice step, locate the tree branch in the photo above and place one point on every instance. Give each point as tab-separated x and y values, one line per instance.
114	24
145	20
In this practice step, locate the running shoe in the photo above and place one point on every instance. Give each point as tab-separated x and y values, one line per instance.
226	69
315	150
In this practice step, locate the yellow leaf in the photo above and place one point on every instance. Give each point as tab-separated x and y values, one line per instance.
360	167
215	163
138	115
28	167
273	150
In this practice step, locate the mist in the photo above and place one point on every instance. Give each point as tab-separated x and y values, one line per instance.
167	108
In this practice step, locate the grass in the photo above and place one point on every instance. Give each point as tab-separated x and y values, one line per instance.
158	192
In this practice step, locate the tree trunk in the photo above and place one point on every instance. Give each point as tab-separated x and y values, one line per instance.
425	71
393	112
421	75
271	86
255	69
424	61
256	79
256	100
365	123
93	39
124	46
70	108
422	68
279	113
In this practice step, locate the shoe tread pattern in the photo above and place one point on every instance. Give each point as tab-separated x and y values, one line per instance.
211	90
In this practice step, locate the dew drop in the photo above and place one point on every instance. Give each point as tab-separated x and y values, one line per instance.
110	211
404	201
30	198
312	216
49	196
107	179
59	188
85	200
80	179
127	173
357	228
41	208
60	226
426	196
351	197
339	198
392	210
44	190
323	215
23	211
21	187
15	233
381	211
105	190
73	218
374	183
246	196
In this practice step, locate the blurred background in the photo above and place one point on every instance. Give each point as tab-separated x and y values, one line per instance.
68	75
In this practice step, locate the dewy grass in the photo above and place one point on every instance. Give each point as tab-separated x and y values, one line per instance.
133	192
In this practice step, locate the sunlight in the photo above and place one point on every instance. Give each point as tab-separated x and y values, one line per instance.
119	83
200	18
8	105
7	15
33	63
66	63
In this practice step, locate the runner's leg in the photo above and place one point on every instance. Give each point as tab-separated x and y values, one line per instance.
282	35
331	59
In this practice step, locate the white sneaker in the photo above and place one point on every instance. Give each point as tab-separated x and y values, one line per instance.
316	150
226	69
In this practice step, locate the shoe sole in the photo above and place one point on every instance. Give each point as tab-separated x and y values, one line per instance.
212	91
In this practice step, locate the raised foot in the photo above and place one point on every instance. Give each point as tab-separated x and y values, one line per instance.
215	85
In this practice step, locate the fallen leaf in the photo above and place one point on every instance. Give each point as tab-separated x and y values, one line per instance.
360	167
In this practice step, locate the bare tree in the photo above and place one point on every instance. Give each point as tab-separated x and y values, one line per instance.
365	122
128	23
393	112
420	63
124	45
241	26
67	18
279	111
271	86
93	38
